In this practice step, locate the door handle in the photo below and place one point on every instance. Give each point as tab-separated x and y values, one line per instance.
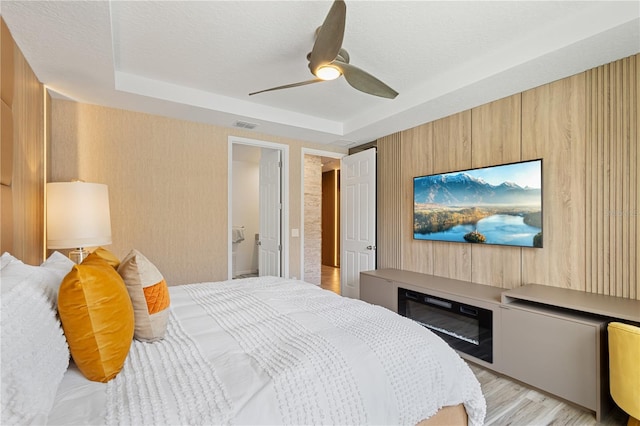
258	243
371	247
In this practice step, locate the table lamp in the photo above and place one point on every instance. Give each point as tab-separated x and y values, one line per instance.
77	217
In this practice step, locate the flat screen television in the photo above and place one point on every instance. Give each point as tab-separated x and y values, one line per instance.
489	205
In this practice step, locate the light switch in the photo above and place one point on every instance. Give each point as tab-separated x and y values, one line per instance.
295	232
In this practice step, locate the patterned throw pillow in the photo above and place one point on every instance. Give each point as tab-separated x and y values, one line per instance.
97	318
149	295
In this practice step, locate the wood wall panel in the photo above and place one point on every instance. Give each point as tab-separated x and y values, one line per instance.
29	163
389	218
452	151
330	218
452	143
553	128
47	138
6	152
495	135
613	180
6	210
417	160
496	128
7	46
7	52
585	127
23	94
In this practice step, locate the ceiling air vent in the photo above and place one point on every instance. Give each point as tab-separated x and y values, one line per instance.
245	125
344	143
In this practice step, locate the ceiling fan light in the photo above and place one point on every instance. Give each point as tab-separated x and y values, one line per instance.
328	72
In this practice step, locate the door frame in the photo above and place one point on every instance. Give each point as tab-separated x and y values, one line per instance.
284	149
318	153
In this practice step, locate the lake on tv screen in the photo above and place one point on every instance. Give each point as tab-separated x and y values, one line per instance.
498	229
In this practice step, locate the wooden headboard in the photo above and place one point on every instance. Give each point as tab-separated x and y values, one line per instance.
23	151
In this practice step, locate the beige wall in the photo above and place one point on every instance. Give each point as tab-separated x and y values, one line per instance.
585	127
167	181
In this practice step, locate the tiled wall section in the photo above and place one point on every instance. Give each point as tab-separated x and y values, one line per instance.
312	218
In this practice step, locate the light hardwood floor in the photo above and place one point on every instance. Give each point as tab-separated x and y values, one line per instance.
510	403
330	278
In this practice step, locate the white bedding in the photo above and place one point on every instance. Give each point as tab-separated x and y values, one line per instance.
274	351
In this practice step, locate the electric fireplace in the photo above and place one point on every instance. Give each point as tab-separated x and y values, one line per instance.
466	328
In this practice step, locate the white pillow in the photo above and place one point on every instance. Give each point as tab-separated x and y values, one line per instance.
35	354
58	262
49	275
57	266
6	258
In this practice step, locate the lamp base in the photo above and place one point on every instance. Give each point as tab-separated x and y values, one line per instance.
78	255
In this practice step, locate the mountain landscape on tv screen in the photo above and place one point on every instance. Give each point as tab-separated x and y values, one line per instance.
461	207
463	189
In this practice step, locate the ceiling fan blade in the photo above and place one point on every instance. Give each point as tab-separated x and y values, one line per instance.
329	37
288	86
364	81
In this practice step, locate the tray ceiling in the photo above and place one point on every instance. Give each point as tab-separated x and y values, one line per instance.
198	60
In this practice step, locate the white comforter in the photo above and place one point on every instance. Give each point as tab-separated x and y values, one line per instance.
274	351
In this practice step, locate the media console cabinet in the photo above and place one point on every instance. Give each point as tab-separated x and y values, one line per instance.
550	338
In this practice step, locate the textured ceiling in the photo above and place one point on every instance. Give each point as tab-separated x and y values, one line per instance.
198	60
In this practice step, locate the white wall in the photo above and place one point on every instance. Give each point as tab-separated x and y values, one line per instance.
245	181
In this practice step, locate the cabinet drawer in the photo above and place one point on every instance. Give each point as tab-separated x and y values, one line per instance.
379	291
558	355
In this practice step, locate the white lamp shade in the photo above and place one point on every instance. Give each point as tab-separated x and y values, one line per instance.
77	215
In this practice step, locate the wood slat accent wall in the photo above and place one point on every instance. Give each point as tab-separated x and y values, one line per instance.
25	96
553	122
417	160
585	128
496	128
389	203
613	181
452	151
6	132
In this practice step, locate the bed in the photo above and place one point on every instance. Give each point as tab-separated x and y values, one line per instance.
262	350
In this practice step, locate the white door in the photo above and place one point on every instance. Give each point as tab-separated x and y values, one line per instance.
269	244
358	219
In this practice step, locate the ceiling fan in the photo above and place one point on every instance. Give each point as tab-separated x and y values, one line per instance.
328	60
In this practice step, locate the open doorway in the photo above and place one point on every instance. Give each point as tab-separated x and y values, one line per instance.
258	196
245	223
320	242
